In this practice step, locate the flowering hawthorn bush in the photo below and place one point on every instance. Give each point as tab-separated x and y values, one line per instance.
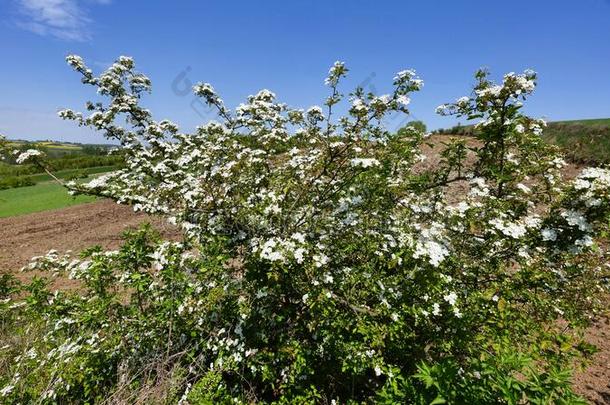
319	262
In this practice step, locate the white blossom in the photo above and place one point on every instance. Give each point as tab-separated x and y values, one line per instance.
451	298
548	234
364	162
27	155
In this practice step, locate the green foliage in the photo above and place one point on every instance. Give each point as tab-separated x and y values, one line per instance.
129	322
15	181
8	285
63	163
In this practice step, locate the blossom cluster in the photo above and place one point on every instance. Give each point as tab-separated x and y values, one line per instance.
23	157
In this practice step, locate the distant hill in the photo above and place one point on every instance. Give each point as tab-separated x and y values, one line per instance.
51	143
58	149
582	141
591	121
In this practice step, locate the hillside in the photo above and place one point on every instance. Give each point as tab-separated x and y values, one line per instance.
582	141
57	149
591	121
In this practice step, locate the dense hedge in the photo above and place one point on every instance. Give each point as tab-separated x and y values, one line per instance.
63	163
12	176
15	181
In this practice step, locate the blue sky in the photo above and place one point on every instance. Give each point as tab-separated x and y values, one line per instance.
288	46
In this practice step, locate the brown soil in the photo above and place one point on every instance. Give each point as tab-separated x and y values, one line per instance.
74	228
594	382
101	223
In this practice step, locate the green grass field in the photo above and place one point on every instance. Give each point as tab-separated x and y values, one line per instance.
41	197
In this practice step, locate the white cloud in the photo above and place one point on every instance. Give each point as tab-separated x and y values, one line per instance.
64	19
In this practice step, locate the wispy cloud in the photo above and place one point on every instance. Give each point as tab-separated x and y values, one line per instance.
64	19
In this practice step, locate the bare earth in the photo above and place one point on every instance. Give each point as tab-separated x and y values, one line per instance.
101	223
74	228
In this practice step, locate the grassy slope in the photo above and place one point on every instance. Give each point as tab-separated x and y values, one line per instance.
41	197
46	195
583	141
593	121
